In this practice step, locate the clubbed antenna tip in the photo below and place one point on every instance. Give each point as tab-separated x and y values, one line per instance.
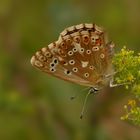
72	98
81	116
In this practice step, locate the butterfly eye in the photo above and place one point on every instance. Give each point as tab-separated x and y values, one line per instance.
95	49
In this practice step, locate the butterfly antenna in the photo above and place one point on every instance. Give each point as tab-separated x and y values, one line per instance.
73	97
84	105
76	95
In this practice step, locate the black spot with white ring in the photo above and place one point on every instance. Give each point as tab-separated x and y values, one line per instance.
70	53
75	69
68	72
88	51
82	50
95	49
71	62
52	70
55	61
74	50
52	64
86	75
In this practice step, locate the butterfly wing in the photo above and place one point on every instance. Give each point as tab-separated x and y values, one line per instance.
81	55
45	61
87	47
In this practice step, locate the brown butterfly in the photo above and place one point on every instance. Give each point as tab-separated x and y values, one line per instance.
82	55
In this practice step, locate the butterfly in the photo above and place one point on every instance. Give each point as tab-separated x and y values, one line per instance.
82	55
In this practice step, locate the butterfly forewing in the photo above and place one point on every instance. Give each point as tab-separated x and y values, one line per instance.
81	55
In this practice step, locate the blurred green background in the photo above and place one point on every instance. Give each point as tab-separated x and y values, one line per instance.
36	106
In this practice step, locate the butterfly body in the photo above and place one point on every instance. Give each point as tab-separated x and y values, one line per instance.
81	55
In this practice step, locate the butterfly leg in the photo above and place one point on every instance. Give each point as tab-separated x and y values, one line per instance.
115	85
110	75
111	84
